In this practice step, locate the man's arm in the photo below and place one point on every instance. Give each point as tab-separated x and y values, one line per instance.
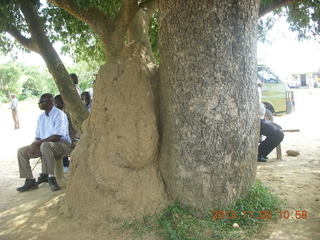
35	146
52	138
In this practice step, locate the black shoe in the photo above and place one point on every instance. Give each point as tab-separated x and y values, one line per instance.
53	184
42	178
262	159
29	184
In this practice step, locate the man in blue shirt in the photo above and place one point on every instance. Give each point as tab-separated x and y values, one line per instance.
52	141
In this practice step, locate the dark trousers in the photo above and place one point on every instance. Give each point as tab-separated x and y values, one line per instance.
66	161
273	134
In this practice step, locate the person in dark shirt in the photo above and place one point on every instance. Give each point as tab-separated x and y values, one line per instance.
72	132
272	132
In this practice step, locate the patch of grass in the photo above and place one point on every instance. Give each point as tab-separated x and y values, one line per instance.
178	222
140	227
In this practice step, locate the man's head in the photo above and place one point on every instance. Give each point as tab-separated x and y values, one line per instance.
13	96
74	78
85	97
46	102
58	102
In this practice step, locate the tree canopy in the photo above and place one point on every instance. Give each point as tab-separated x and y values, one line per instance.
82	42
303	17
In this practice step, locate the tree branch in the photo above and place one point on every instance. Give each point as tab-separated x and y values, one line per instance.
54	64
127	12
274	5
112	32
94	17
26	42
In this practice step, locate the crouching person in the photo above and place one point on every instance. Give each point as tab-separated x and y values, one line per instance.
52	141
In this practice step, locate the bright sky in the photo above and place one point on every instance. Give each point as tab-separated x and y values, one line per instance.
286	55
34	58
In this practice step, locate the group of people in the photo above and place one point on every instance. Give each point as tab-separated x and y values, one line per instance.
53	139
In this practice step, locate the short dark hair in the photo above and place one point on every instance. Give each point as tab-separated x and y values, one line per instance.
74	78
48	96
58	101
86	97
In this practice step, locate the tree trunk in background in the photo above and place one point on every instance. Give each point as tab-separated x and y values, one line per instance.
209	100
114	170
54	64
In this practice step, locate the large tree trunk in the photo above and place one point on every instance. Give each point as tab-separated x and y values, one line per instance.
209	101
114	170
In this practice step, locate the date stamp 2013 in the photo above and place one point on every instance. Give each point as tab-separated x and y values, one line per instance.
264	214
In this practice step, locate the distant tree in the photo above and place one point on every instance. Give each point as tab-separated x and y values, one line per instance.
303	16
21	20
10	75
31	87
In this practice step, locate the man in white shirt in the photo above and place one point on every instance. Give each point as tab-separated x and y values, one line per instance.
14	109
52	141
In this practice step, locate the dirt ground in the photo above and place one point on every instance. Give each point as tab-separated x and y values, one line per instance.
39	215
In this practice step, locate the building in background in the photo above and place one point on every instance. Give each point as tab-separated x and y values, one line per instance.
309	79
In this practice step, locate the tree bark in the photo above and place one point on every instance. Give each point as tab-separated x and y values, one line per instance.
114	169
138	31
112	31
64	83
26	42
209	99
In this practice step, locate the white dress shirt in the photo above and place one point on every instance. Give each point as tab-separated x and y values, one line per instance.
56	123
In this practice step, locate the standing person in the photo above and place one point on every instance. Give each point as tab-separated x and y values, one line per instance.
75	80
14	109
272	132
51	141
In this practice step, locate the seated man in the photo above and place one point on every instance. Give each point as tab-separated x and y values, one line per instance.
274	136
272	132
52	141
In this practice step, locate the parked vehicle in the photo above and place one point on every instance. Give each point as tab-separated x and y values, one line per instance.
277	97
294	84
